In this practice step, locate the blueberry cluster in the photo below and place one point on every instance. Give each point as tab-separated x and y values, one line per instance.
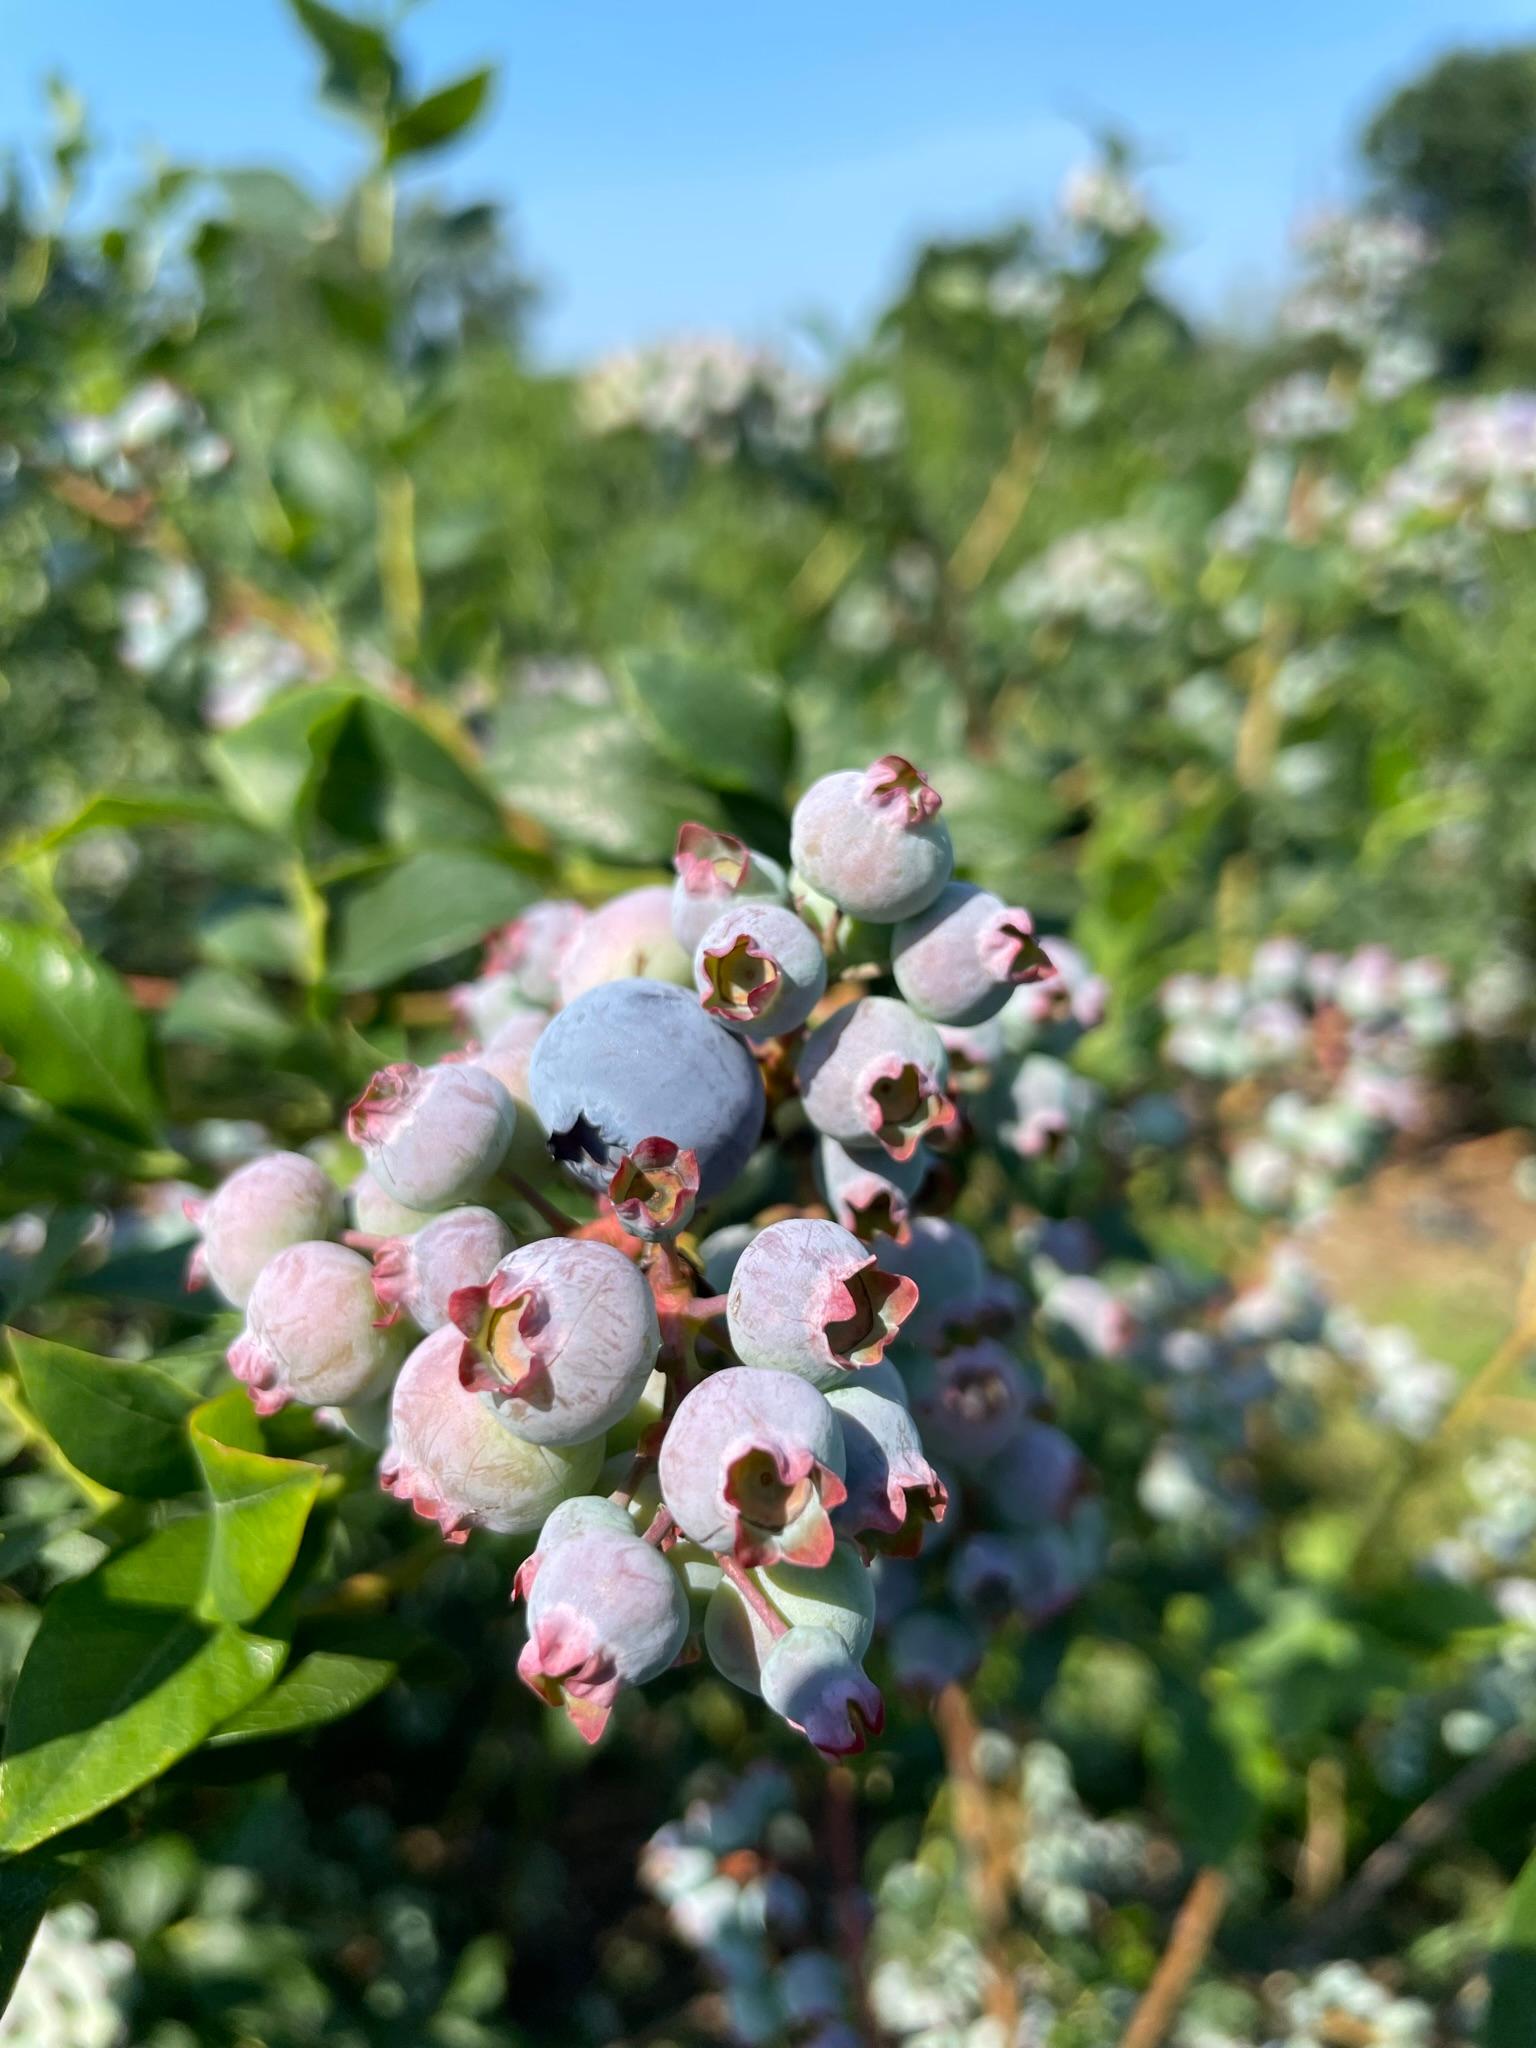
712	1438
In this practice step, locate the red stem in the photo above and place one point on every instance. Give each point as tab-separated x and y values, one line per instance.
754	1596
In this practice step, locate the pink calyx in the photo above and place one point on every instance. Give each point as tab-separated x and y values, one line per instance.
902	1104
743	980
408	1486
656	1185
779	1502
903	792
250	1360
565	1664
502	1322
389	1093
1009	951
710	863
866	1309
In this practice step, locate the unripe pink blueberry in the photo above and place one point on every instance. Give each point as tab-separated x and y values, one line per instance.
893	1491
752	1463
868	1191
605	1610
418	1275
973	1402
530	949
376	1214
759	970
578	1516
929	1651
562	1338
806	1297
839	1595
811	1682
958	961
628	936
875	1074
432	1135
481	1007
454	1462
312	1332
1057	1010
280	1199
873	841
715	872
1083	1320
507	1050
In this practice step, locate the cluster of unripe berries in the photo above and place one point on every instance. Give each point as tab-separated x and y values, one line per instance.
712	1439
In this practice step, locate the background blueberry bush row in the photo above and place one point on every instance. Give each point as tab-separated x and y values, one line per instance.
334	633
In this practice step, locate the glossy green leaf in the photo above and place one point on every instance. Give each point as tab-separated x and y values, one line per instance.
271	766
593	778
260	1505
725	726
395	778
320	1686
439	117
424	908
122	1679
73	1035
122	1425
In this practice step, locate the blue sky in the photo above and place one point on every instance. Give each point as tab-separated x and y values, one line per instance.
682	166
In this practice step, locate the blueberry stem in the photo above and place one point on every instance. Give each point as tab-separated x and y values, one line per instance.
558	1221
754	1596
660	1527
363	1241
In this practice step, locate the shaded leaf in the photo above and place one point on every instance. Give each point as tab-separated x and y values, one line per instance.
727	727
1213	1809
1512	1967
272	765
120	1424
27	1883
439	117
594	779
361	70
425	908
324	1684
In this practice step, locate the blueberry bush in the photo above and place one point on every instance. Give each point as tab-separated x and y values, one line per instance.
689	1055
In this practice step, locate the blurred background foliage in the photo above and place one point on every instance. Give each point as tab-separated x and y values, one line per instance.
334	628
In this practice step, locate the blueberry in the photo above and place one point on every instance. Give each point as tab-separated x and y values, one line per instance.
379	1215
892	1489
632	1060
312	1332
875	1073
759	970
630	936
973	1401
605	1610
839	1596
420	1273
563	1336
717	872
873	841
959	960
280	1199
432	1135
1037	1478
529	951
950	1270
868	1191
577	1516
752	1464
806	1297
809	1679
455	1463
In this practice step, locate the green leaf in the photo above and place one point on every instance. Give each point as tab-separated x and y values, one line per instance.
126	810
27	1883
361	70
320	1686
75	1038
122	1679
397	778
424	908
1512	1967
728	728
438	118
271	766
260	1507
27	1277
1212	1806
121	1425
216	1006
594	779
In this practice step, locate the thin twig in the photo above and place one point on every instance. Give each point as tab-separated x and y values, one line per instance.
1189	1941
558	1221
754	1596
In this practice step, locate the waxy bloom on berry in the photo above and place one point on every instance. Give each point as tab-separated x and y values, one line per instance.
806	1297
457	1466
873	841
629	936
312	1332
605	1610
868	1191
717	872
432	1135
268	1203
958	961
420	1274
562	1338
875	1074
578	1516
739	1631
759	970
893	1491
950	1269
633	1060
1038	1477
753	1464
811	1682
530	949
379	1215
